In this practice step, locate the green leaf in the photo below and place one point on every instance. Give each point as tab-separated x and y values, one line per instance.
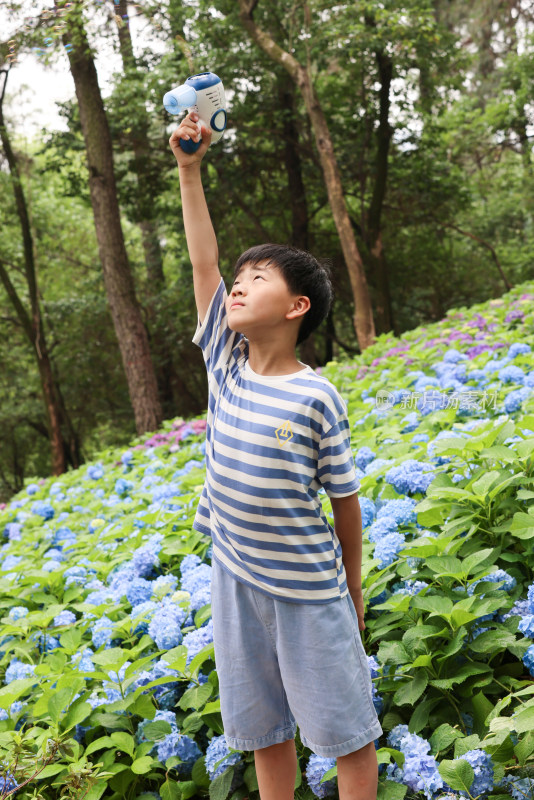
195	697
524	748
329	774
142	765
443	737
458	773
98	744
482	485
437	604
420	716
220	786
524	720
51	769
124	741
75	715
199	774
202	615
13	690
144	707
492	641
522	526
393	653
462	674
473	562
57	703
389	790
111	659
411	691
157	730
445	565
251	779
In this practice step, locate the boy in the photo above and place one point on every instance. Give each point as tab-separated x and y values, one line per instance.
287	600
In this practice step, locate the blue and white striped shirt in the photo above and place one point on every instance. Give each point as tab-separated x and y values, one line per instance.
272	442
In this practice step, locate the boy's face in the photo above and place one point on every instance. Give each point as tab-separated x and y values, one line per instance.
265	300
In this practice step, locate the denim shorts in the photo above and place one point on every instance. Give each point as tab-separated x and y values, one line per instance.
283	663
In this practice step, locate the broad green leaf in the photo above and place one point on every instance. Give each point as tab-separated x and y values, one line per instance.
51	769
250	778
98	744
142	765
123	741
195	697
111	659
419	718
14	690
524	720
522	526
157	730
385	754
389	790
473	562
443	737
392	653
458	773
76	715
220	786
57	704
482	485
199	774
462	673
492	641
437	604
445	565
410	692
524	748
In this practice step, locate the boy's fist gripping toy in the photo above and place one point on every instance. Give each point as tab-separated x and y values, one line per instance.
203	93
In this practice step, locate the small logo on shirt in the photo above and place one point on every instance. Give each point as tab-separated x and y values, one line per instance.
284	433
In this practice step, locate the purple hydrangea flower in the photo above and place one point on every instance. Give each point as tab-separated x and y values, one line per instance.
176	744
317	767
483	769
217	750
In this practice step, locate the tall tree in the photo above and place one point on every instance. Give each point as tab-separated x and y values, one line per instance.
118	279
64	446
302	77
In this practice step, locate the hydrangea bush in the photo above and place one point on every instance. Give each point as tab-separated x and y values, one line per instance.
108	681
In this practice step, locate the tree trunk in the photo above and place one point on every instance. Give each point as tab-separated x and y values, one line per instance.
140	145
118	279
363	316
33	326
373	228
297	191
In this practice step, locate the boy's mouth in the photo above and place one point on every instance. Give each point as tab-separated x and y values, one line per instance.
236	305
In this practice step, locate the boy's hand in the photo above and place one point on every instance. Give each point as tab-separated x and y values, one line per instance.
190	129
357	599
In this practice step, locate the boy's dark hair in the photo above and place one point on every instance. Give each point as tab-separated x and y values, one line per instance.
303	273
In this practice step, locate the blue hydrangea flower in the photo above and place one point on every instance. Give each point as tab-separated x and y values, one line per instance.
82	660
197	639
126	458
144	560
420	437
17	612
42	509
95	471
368	510
377	464
7	783
138	591
495	577
363	457
177	744
218	750
483	769
411	422
10	562
197	578
165	625
32	488
64	618
164	585
102	632
381	527
122	486
17	669
518	348
411	476
388	547
141	615
318	767
402	511
519	788
528	659
512	374
513	401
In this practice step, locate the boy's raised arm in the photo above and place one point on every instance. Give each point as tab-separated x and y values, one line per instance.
201	240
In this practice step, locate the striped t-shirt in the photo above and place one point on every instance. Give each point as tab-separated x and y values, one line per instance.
272	442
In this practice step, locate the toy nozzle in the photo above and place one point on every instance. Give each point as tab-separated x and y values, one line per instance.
179	99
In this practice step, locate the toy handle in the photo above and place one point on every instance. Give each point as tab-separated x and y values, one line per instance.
189	146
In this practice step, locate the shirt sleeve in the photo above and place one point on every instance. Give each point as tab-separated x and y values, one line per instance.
336	470
214	337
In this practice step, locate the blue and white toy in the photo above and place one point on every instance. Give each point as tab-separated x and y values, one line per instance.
203	93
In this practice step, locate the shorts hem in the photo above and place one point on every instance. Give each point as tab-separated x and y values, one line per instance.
344	748
274	737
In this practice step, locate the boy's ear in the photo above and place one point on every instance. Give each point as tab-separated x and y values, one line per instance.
300	306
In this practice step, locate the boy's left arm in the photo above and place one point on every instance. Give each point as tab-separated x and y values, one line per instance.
348	528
